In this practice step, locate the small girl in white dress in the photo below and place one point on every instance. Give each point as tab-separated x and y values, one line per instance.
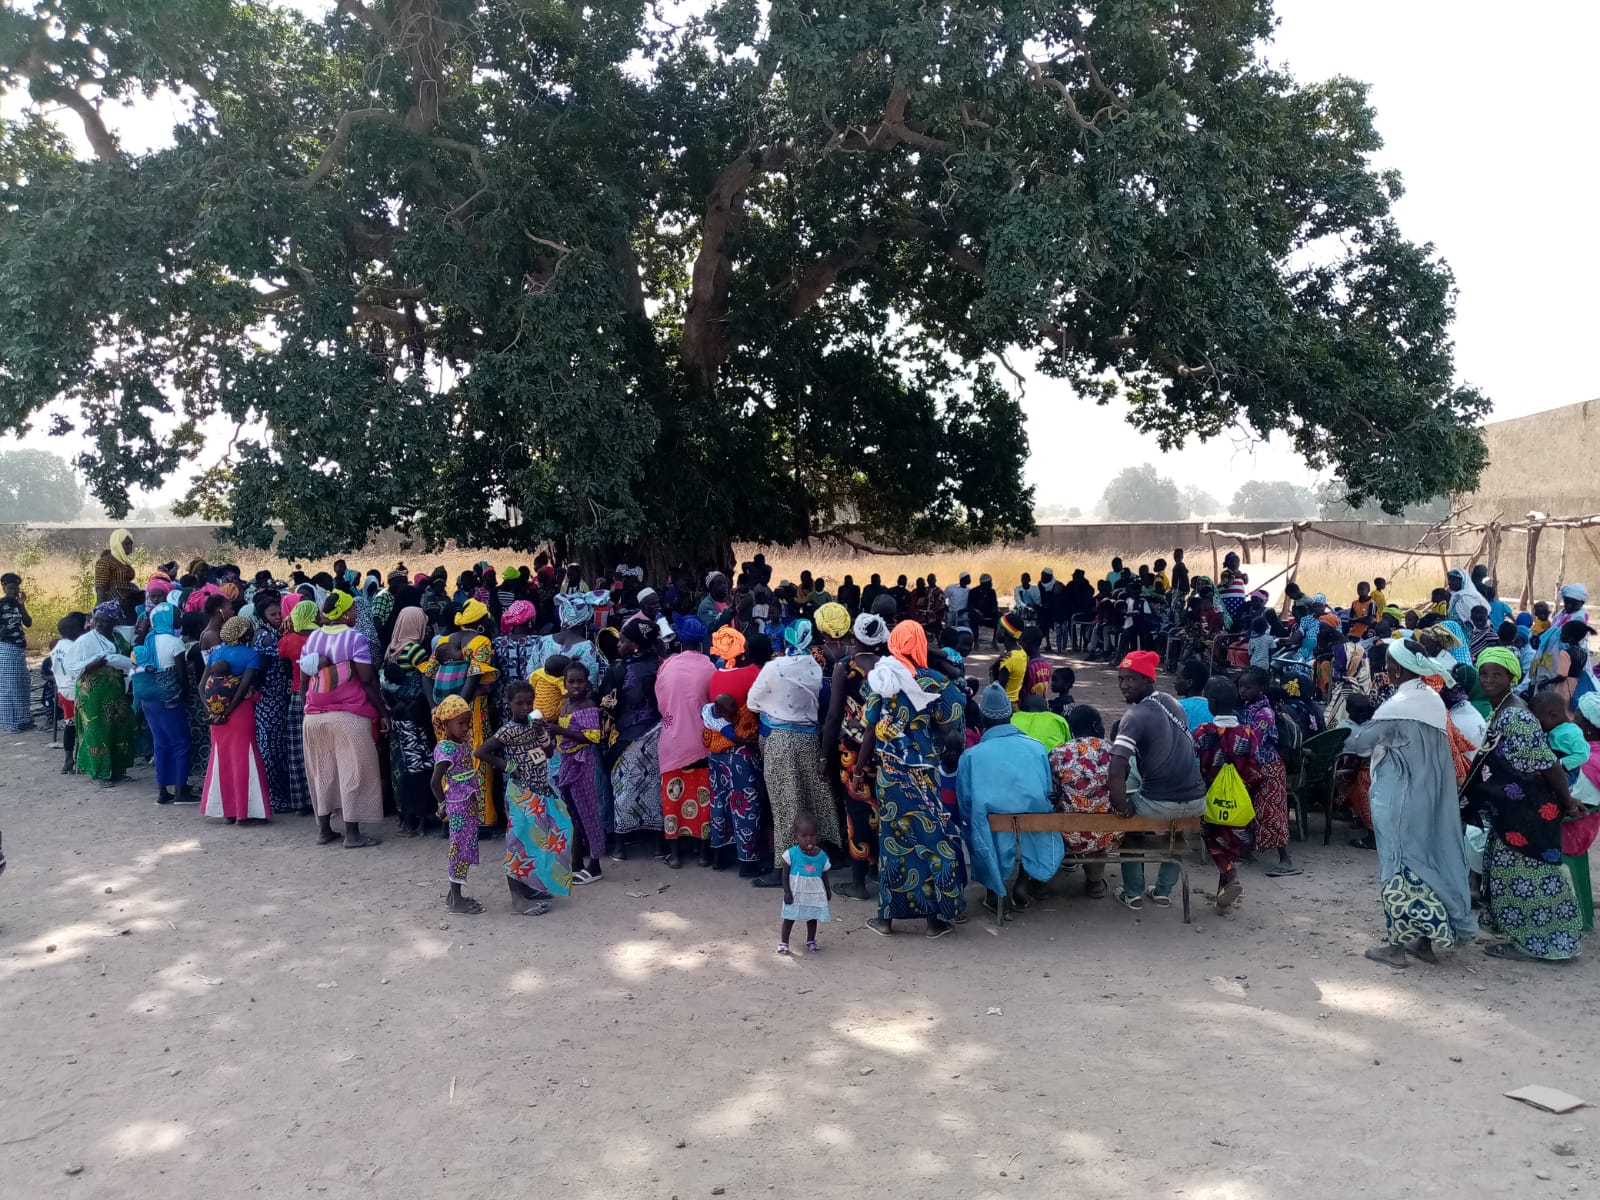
806	890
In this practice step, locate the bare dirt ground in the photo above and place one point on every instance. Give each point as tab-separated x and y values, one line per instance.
191	1010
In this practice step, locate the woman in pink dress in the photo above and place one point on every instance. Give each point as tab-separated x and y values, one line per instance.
236	777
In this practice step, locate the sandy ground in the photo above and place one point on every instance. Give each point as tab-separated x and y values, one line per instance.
193	1010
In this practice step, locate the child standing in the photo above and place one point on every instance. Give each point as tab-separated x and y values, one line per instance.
581	776
1223	741
806	890
1062	681
455	786
550	685
1262	644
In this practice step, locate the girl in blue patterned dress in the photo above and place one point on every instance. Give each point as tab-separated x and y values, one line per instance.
806	891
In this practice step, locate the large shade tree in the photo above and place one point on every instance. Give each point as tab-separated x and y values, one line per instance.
507	270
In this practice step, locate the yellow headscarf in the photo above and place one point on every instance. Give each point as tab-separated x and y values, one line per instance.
471	613
303	616
450	706
118	552
833	620
341	604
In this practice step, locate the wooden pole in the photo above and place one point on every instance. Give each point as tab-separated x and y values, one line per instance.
1244	549
1526	600
1216	563
1561	564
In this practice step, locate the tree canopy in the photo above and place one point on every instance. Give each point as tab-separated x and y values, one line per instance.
1271	499
1142	494
36	485
506	270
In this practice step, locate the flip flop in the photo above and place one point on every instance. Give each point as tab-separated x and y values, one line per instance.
1510	952
536	910
467	908
363	842
581	877
762	881
878	927
935	934
1280	871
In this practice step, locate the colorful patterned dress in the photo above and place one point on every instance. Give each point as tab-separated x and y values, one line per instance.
538	825
736	785
1269	791
1531	900
1217	745
582	775
478	660
272	717
1081	768
461	804
104	716
919	845
860	800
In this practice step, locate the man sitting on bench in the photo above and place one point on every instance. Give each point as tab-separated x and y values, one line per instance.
1154	734
1006	772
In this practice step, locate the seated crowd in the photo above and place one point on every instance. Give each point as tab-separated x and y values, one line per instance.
781	729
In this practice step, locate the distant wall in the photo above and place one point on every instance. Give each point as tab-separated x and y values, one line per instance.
1141	536
1543	463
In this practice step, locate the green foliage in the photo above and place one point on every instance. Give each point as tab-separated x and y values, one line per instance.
1140	494
36	485
508	272
1332	506
1200	503
1273	499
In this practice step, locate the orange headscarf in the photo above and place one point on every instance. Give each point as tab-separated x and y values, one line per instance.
727	644
909	644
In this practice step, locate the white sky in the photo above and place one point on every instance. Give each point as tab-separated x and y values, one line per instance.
1489	120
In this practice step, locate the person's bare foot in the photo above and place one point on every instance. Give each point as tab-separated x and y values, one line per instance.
465	905
1423	948
1389	956
326	836
856	891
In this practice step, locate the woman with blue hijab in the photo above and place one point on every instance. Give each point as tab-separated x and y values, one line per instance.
158	691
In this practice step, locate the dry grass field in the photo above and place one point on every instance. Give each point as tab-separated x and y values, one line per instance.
58	583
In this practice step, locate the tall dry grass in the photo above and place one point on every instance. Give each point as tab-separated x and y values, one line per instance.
1333	571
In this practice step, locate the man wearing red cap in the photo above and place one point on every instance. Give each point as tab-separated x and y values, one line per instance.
1154	736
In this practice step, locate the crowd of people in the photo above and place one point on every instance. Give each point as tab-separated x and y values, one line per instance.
781	729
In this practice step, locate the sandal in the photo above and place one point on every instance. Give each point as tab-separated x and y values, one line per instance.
939	930
536	910
783	948
1096	889
1364	843
581	877
467	908
362	842
813	947
1159	899
1136	903
880	927
1282	870
1509	951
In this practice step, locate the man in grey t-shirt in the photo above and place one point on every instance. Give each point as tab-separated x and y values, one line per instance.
1155	733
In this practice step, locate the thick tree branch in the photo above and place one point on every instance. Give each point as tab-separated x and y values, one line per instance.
704	342
369	17
821	275
37	70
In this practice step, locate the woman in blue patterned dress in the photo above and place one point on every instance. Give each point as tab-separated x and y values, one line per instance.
911	712
1522	790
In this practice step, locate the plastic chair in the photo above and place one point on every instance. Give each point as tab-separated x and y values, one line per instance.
1291	739
1317	759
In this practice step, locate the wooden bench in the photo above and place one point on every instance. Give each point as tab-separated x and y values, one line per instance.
1020	823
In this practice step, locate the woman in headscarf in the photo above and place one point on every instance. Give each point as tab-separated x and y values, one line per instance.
538	825
1416	823
190	626
301	621
15	682
788	695
1351	676
471	642
682	686
273	686
1464	597
342	702
911	712
113	570
236	782
581	773
1519	787
843	733
574	639
738	789
1270	795
516	654
405	696
104	717
629	696
158	690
